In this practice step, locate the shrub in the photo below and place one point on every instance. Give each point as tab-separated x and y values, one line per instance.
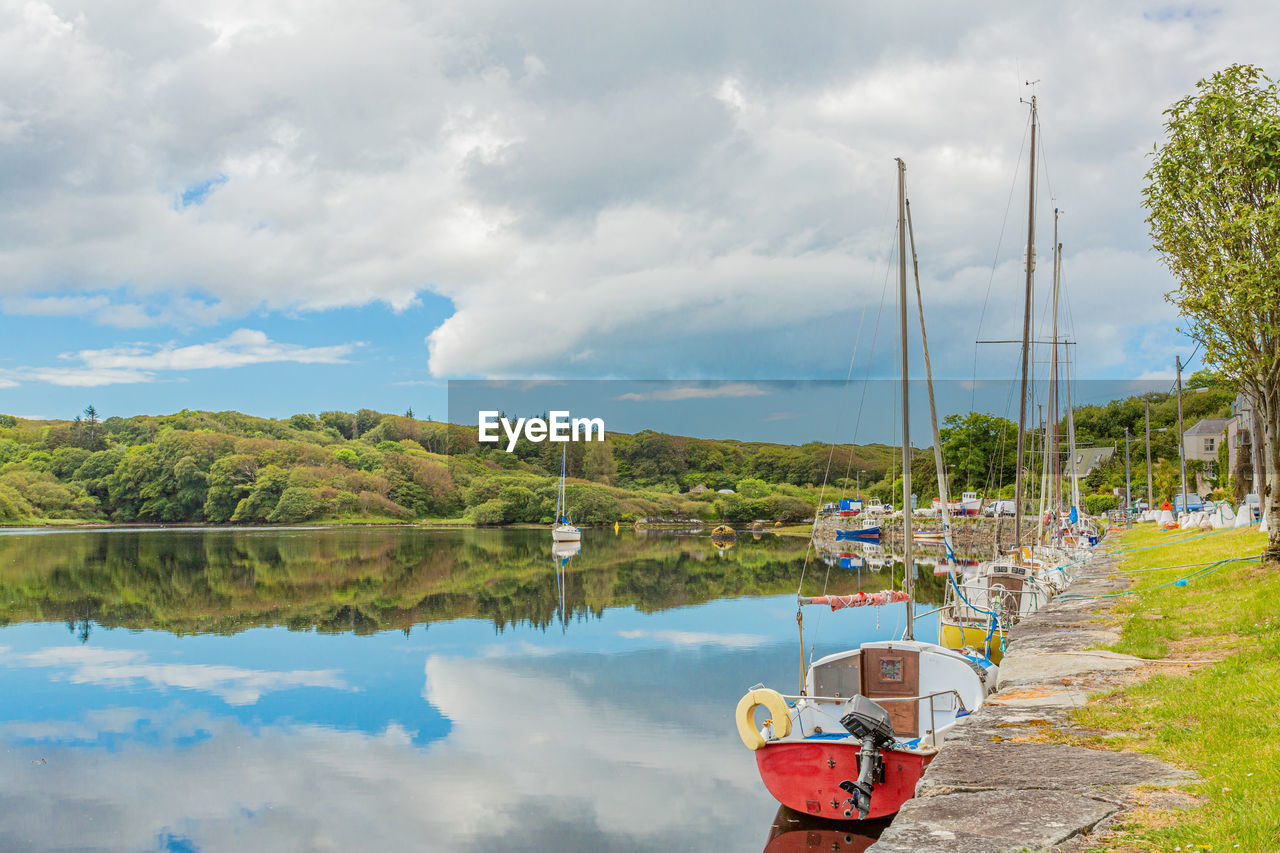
1098	504
296	504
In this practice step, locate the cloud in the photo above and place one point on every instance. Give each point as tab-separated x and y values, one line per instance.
111	667
592	206
696	392
698	638
137	363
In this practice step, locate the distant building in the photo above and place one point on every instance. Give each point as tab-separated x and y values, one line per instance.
1244	455
698	489
1090	459
1203	441
725	491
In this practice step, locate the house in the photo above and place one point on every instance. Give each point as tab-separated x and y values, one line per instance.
1244	455
698	489
1203	441
1090	459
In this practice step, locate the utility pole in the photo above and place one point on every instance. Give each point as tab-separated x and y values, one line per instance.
1026	336
1128	517
1151	503
860	473
1182	456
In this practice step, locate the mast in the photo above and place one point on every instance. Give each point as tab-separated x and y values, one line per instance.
1051	444
933	407
907	562
1071	446
1026	337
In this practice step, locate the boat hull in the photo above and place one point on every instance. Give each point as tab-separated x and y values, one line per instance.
806	776
563	534
953	636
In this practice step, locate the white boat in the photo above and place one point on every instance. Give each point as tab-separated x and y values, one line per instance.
563	531
870	718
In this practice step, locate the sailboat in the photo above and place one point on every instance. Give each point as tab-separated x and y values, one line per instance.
979	608
563	531
868	720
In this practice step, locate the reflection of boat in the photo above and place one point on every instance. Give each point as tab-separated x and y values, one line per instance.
870	533
795	832
565	550
563	531
870	719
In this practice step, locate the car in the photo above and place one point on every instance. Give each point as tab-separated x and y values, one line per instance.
1005	508
1195	503
1251	501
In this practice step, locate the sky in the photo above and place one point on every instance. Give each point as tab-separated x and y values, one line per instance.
284	207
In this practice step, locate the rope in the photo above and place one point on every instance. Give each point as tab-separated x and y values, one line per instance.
1209	569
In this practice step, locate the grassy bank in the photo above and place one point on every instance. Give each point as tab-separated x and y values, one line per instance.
1213	704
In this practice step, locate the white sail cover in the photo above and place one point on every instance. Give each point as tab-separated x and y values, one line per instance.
1244	516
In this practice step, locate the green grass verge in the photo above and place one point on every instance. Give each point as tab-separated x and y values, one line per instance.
1218	715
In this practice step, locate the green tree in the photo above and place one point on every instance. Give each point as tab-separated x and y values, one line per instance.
1213	201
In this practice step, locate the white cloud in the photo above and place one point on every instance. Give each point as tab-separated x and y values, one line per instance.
234	685
591	206
698	638
137	363
696	392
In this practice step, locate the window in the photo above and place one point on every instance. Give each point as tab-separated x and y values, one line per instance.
1208	445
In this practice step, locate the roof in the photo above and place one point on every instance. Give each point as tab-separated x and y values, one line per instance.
1089	458
1209	426
698	489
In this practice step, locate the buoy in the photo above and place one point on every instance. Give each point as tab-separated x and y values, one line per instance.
780	717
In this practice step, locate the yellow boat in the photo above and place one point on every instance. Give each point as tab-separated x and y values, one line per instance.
953	636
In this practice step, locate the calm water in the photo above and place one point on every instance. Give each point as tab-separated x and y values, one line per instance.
391	689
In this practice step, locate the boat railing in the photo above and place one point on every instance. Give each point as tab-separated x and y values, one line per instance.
929	697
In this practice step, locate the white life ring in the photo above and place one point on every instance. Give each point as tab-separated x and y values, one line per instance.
780	716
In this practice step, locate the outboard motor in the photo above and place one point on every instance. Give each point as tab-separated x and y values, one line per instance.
870	723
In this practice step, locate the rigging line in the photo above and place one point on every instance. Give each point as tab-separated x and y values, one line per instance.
809	547
995	260
875	334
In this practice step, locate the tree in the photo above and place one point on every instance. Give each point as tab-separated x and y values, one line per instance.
1213	201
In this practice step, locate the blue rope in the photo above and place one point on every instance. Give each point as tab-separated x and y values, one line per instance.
1182	581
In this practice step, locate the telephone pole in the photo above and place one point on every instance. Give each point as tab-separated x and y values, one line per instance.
1182	456
1151	498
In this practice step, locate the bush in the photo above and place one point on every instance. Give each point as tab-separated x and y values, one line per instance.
296	504
1098	504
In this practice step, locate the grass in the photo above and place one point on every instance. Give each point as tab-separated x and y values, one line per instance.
1213	705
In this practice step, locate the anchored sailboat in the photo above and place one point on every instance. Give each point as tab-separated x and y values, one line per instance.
563	531
855	741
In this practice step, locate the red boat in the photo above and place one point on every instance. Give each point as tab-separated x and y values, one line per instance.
890	700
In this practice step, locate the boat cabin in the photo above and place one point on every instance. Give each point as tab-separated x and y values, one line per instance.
922	686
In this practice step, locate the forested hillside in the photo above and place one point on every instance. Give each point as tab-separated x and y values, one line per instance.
227	467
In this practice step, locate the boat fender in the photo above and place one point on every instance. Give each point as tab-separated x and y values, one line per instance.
777	707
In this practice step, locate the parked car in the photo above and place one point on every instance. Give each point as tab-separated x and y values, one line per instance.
996	508
1251	501
1195	503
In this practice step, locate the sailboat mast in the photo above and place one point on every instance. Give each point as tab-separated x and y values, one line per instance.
1071	442
1051	445
933	406
907	563
1026	336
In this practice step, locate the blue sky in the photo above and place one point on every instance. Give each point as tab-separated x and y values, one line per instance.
265	211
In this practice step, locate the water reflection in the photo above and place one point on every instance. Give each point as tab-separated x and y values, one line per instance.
366	580
274	711
793	832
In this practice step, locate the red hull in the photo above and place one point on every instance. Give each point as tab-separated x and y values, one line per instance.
806	776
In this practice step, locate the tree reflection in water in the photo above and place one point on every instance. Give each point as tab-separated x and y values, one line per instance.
363	580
